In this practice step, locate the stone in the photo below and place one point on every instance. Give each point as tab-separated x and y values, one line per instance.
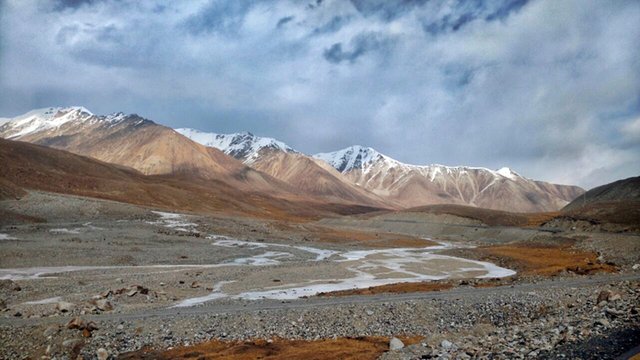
3	304
64	306
195	285
636	267
614	296
76	323
395	344
102	354
603	296
448	345
132	292
104	305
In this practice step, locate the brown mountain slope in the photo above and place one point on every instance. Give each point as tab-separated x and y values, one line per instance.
312	177
277	159
154	149
149	148
416	185
617	203
29	166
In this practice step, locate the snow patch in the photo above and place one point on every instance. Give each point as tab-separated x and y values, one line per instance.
173	221
6	237
51	300
244	146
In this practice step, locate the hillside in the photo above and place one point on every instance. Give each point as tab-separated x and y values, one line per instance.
28	166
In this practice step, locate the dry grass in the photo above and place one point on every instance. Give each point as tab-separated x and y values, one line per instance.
367	238
544	260
361	348
488	216
400	288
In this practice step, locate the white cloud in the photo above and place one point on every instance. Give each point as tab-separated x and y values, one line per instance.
543	90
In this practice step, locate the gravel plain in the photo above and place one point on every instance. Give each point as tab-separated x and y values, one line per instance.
143	263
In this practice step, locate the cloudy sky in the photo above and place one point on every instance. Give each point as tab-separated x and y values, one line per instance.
550	88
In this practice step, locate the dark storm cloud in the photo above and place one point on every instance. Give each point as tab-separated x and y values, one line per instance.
360	45
335	24
550	88
466	11
284	20
219	16
386	10
505	9
60	5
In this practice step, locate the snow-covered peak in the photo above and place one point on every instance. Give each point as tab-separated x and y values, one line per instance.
508	173
243	146
44	119
52	118
366	159
355	157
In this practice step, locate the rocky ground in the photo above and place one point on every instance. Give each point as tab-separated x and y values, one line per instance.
123	306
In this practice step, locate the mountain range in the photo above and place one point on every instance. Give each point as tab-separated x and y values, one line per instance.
356	175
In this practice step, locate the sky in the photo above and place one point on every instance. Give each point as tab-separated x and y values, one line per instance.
550	88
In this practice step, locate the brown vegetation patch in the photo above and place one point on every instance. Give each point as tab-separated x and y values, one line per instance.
535	259
342	348
368	238
400	288
488	216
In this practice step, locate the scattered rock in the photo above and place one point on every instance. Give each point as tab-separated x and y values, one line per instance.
9	285
104	305
195	285
448	345
3	304
76	323
102	354
64	306
604	296
395	344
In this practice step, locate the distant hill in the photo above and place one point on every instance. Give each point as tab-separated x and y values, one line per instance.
617	202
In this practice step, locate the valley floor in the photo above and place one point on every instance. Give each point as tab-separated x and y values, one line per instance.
81	275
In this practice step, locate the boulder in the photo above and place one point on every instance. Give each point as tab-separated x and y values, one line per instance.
395	344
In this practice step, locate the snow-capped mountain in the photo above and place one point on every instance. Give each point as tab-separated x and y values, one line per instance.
281	161
243	146
134	142
356	174
55	118
416	185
